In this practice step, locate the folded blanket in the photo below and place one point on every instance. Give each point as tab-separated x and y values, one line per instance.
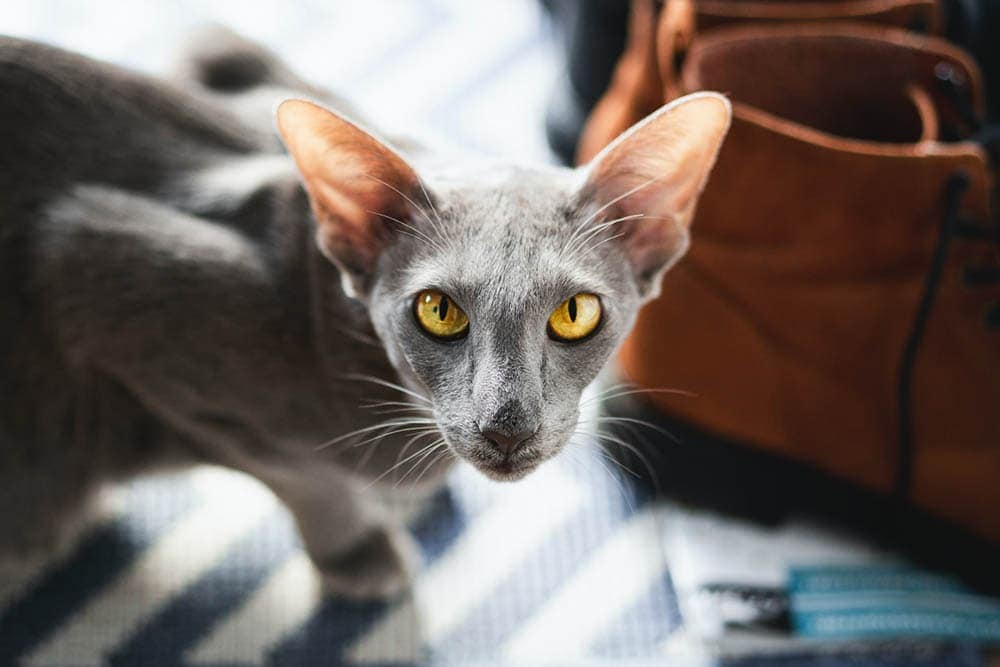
745	588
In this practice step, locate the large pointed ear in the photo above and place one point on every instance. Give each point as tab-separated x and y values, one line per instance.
359	188
650	178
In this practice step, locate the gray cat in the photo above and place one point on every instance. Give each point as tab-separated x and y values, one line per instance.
175	288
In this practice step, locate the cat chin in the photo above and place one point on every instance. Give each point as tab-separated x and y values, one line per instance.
506	472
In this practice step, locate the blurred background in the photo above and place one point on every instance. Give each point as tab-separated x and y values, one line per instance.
469	75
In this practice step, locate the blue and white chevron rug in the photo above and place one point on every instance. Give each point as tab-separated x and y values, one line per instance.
206	569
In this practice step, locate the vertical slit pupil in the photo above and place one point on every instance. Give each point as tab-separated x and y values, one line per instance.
571	307
443	308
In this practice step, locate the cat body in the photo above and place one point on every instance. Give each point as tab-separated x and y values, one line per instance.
170	294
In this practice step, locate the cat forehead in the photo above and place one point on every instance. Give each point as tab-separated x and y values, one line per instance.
511	262
504	231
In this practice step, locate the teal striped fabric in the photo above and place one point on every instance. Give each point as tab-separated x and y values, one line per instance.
868	602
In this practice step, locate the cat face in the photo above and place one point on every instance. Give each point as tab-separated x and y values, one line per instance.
465	314
500	292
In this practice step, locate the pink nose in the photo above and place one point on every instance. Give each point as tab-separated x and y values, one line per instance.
507	444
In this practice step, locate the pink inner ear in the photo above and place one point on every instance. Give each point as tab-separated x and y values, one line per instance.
667	156
657	169
356	183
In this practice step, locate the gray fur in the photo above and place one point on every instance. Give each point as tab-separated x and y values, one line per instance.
163	302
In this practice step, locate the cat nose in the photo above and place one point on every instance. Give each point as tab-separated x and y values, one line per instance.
507	443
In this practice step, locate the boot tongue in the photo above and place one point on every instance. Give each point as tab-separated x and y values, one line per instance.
842	83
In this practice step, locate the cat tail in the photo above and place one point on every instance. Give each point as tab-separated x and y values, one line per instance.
219	60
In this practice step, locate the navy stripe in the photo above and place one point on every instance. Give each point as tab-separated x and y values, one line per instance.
196	611
100	558
888	656
339	623
551	565
643	628
439	525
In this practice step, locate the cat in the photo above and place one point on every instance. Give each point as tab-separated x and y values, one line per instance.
317	307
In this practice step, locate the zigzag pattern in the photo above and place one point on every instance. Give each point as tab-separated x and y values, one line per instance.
206	569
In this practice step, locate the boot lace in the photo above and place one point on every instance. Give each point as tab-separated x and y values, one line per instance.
954	226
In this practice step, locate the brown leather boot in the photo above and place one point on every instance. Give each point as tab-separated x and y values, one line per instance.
915	15
840	303
661	32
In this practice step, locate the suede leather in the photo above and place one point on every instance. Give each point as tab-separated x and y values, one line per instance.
912	14
811	246
661	31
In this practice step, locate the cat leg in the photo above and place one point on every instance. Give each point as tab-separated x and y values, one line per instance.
359	553
42	513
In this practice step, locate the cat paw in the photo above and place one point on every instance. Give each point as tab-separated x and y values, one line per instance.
380	565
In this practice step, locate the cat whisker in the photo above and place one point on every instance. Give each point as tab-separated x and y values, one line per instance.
604	454
632	449
403	462
409	443
418	462
577	239
430	203
615	477
445	453
401	194
607	394
607	205
386	383
375	427
627	193
573	455
579	246
397	407
370	451
638	422
382	404
414	232
383	436
597	245
614	387
413	203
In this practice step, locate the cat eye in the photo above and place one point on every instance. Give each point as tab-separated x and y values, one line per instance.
439	316
576	318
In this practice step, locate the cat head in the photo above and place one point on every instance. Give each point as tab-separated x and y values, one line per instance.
498	291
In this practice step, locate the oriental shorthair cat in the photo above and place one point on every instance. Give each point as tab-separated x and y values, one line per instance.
190	273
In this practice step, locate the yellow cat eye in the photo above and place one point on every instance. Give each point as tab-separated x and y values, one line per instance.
439	316
576	318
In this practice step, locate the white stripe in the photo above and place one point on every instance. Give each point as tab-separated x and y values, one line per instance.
487	551
615	576
232	504
283	603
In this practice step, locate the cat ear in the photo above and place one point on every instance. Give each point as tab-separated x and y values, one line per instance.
356	186
655	171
